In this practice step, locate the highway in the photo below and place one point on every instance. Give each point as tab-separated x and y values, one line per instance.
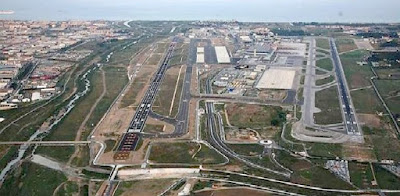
347	108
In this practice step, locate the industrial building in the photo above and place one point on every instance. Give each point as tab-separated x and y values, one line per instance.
222	55
200	55
276	79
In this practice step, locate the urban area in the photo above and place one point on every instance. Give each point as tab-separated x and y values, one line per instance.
199	108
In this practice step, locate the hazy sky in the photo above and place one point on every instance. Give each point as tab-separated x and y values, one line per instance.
243	10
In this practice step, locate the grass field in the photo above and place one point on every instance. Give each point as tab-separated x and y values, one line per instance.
149	128
154	59
32	179
361	175
323	51
385	143
110	145
366	101
143	187
325	63
387	73
327	101
385	179
356	76
137	85
247	149
184	153
180	54
322	43
325	81
162	103
59	153
345	44
390	91
254	116
309	173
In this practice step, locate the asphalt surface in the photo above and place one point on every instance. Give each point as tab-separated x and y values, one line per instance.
348	111
142	112
216	141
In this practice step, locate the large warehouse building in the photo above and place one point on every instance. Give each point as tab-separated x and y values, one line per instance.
200	55
276	79
222	55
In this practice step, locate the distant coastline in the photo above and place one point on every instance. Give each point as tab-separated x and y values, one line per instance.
6	12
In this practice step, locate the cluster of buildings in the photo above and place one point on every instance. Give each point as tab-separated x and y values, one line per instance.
260	59
34	54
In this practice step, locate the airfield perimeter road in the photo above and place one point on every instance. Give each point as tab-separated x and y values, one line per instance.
348	111
215	138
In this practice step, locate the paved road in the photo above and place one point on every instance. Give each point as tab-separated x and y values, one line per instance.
230	173
347	107
46	142
216	141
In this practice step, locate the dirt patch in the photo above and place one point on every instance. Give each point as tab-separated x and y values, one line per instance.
242	135
358	80
370	120
358	152
144	187
232	191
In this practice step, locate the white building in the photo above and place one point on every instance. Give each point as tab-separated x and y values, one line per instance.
222	55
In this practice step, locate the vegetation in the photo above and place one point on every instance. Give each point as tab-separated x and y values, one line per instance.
385	143
345	45
327	101
356	76
32	179
386	180
325	63
325	81
323	43
162	103
184	153
247	149
255	116
366	101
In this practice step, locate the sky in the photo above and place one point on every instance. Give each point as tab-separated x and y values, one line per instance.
242	10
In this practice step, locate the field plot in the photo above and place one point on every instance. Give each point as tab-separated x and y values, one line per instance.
366	101
232	191
390	91
254	116
170	92
184	153
345	45
323	43
385	144
386	180
266	120
357	76
327	101
325	63
388	73
325	81
143	187
309	173
361	175
180	55
247	149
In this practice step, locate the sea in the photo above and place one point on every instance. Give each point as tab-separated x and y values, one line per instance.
364	11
